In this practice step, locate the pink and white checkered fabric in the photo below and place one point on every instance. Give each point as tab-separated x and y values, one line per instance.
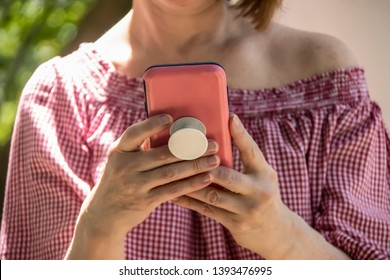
323	135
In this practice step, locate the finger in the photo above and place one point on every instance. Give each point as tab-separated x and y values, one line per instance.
232	180
179	188
135	135
180	170
250	154
217	197
220	215
157	157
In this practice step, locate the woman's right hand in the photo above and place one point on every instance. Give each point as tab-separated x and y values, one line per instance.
134	183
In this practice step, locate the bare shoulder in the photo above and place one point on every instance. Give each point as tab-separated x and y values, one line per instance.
310	53
326	51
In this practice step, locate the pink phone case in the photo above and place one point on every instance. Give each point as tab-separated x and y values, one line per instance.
191	90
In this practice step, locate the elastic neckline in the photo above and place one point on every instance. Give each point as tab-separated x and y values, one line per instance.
108	66
331	87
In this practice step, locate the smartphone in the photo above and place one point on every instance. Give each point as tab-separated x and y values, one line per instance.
196	90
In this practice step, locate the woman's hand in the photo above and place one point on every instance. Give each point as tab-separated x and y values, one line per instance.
133	184
250	207
250	202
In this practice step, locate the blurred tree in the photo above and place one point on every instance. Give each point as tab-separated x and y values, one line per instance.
101	18
33	31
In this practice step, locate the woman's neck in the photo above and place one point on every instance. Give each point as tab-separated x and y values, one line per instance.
154	34
179	33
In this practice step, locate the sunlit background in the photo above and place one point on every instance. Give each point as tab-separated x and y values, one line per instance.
31	32
363	25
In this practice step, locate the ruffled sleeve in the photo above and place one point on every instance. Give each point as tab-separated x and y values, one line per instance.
354	212
48	175
328	142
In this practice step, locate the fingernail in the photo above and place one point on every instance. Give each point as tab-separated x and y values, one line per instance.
213	160
213	146
166	119
236	120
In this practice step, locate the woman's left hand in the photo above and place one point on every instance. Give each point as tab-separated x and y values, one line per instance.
249	205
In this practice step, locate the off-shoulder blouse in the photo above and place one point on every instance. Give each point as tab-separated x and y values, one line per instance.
323	135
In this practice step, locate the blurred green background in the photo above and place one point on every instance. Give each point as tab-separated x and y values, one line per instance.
33	31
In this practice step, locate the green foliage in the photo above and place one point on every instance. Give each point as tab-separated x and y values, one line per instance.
31	32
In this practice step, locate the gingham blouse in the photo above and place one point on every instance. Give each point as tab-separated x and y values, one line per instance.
323	135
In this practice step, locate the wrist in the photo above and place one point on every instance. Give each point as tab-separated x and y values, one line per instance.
281	236
91	242
292	231
296	239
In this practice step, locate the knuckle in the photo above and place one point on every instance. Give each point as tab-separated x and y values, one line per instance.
116	168
160	155
207	209
253	211
135	184
227	176
214	197
112	152
197	165
174	188
168	173
123	185
269	197
129	132
120	164
125	205
127	202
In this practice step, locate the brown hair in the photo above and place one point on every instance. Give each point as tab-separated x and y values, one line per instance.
259	11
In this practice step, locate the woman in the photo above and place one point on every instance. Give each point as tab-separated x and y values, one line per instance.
311	150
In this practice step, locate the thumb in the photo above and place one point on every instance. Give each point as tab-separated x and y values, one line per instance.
135	135
251	156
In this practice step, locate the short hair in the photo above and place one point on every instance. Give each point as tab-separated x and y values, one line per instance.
260	12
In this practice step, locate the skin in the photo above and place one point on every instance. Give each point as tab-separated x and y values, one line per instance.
136	181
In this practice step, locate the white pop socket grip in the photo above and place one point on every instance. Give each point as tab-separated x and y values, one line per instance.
188	138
